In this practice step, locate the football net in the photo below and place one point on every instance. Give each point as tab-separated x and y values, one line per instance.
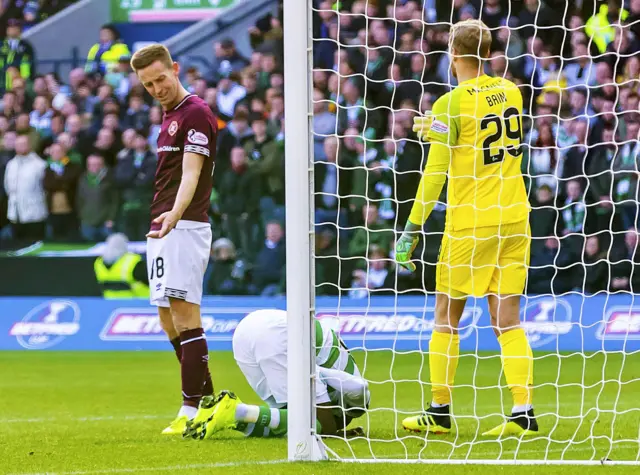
372	66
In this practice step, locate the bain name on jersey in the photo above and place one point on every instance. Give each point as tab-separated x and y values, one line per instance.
495	99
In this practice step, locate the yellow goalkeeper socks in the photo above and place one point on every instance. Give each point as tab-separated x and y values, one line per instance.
444	352
517	362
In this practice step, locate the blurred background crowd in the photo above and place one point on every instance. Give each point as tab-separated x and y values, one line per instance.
77	155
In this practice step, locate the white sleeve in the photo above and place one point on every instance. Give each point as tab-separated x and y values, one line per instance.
352	390
322	393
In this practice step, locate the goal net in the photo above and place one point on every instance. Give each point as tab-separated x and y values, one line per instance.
372	66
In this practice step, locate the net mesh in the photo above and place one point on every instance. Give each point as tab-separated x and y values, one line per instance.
379	64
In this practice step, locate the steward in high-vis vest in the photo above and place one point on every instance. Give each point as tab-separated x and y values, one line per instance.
600	26
121	274
104	56
15	53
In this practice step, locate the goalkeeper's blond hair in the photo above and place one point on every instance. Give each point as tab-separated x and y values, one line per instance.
470	38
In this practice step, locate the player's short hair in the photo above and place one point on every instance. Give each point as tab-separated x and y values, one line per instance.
471	37
149	54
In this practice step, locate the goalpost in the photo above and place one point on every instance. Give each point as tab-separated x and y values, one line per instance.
586	348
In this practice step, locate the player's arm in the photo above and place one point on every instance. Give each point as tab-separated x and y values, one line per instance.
441	130
191	168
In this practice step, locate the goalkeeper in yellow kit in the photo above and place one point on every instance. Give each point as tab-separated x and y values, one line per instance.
475	135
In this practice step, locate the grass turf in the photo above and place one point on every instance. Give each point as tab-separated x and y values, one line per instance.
64	412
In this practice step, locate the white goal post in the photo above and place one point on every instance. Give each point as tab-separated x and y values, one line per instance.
303	444
588	390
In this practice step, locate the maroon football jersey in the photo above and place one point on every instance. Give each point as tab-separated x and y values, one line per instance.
188	127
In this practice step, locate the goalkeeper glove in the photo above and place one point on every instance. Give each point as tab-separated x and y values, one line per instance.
421	125
406	245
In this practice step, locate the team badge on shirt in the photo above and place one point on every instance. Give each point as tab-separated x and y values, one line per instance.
439	127
197	138
173	128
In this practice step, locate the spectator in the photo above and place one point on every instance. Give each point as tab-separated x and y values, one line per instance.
10	105
373	232
600	26
121	274
17	53
106	145
228	58
40	117
7	152
137	116
23	183
68	144
96	200
541	163
327	262
104	56
595	276
268	271
134	175
229	94
626	168
324	124
547	268
24	128
240	191
601	180
266	161
61	182
581	71
375	277
331	183
225	273
625	263
275	122
155	119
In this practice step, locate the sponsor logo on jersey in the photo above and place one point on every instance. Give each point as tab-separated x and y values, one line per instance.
439	127
544	319
197	138
168	148
620	323
139	324
393	324
173	128
47	324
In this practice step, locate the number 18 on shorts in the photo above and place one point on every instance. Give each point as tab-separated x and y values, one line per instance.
176	264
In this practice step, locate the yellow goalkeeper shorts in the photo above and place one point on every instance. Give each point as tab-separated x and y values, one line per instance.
484	260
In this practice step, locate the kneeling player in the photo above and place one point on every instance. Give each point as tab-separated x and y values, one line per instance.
260	349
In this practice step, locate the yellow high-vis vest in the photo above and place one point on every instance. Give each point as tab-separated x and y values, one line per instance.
600	29
117	281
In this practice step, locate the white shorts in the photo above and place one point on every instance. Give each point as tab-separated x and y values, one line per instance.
176	263
260	350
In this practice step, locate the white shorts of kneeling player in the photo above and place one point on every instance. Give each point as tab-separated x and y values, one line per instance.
260	350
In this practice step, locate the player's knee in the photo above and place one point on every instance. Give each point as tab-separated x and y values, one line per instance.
185	315
166	322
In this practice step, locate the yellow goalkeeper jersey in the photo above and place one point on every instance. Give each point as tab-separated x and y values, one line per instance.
481	122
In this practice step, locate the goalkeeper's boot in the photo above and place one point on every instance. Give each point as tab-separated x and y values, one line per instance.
520	424
205	411
436	420
223	417
177	427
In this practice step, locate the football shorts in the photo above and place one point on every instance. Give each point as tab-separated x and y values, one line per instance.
260	350
485	260
177	262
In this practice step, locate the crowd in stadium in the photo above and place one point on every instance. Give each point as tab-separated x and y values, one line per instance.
77	154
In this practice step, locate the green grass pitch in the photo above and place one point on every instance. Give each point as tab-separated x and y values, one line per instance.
102	413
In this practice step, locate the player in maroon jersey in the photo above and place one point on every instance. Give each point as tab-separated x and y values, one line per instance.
179	242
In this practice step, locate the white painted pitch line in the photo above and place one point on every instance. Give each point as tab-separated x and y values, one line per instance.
85	419
171	468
